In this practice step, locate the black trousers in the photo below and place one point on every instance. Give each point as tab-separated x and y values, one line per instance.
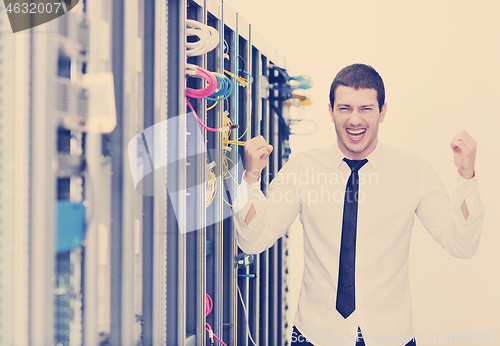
299	340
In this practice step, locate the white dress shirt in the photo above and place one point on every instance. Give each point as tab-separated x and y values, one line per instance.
393	187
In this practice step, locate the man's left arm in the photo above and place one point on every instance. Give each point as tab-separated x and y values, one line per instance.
464	154
456	225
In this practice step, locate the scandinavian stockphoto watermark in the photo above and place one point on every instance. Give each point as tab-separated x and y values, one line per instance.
312	187
160	166
438	338
26	14
334	339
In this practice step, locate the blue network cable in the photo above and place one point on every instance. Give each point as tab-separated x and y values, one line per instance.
225	90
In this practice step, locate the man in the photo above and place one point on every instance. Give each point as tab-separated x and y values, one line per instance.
357	202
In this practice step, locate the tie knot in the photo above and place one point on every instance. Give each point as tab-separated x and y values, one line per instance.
355	165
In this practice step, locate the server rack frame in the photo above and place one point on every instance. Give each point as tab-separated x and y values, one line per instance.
15	170
145	46
237	32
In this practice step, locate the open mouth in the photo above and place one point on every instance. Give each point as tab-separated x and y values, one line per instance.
356	135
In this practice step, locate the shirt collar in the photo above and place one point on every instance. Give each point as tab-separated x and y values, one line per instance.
374	158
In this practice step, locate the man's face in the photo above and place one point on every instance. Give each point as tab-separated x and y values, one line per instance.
356	117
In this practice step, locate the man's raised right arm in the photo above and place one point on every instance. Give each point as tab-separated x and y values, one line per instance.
261	220
257	152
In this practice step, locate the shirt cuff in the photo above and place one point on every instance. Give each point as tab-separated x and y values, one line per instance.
247	195
468	189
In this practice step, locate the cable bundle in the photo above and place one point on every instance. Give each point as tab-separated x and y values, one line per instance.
193	70
285	85
298	101
278	80
285	92
208	38
241	81
304	82
284	128
224	91
219	129
278	75
218	88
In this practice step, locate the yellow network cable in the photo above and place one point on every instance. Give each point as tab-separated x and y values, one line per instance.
211	185
227	142
298	100
212	106
249	115
226	169
238	142
226	172
226	49
227	202
242	81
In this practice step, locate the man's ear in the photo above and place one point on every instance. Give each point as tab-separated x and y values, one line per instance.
330	110
382	113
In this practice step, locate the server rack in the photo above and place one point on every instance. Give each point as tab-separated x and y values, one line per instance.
87	257
15	123
260	294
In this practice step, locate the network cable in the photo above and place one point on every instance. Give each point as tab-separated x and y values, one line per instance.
303	82
211	184
284	128
208	309
225	90
246	316
208	38
242	81
278	75
219	88
193	70
285	92
226	50
218	129
298	101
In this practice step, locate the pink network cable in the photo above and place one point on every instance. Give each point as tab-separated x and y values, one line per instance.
219	129
193	70
208	309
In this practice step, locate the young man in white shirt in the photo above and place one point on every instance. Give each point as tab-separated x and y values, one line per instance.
393	187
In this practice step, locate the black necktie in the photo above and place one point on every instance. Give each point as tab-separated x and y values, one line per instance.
345	290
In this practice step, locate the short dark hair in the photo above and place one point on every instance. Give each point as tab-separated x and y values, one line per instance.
359	76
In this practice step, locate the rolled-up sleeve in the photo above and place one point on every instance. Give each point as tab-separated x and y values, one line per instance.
443	218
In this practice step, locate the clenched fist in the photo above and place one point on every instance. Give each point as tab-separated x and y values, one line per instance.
464	153
257	152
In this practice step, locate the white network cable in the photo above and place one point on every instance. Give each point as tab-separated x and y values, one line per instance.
246	316
208	38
